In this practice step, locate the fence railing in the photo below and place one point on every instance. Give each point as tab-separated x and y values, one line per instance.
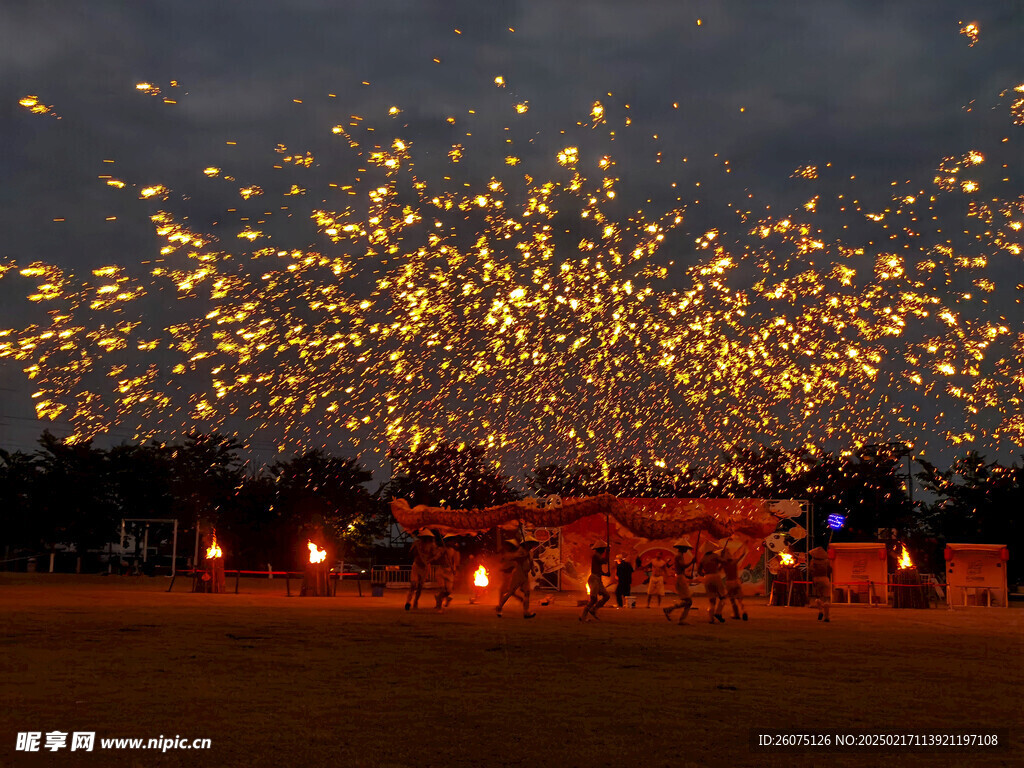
397	576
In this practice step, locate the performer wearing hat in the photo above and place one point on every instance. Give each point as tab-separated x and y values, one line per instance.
733	587
448	558
519	579
507	564
598	594
820	570
711	569
681	564
424	552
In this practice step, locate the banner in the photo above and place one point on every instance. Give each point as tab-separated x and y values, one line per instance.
647	518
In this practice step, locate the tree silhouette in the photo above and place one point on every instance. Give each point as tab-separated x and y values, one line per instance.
319	493
977	502
624	479
449	476
75	493
207	472
24	525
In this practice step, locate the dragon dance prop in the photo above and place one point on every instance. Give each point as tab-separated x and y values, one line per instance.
645	518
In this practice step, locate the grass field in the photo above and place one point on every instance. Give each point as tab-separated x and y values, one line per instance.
350	681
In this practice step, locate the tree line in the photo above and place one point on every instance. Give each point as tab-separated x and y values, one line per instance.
75	494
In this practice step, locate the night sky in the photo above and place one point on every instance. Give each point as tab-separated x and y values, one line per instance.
881	90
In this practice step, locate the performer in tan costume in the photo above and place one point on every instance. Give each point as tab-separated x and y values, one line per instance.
598	594
682	563
524	567
656	584
733	587
820	570
447	564
711	570
424	552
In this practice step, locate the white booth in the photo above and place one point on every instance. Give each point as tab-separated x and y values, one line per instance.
859	572
976	575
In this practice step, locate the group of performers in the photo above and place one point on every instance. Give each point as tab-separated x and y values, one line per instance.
718	569
518	567
425	553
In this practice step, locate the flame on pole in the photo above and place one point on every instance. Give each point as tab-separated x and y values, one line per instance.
211	578
316	555
316	578
480	582
904	561
480	577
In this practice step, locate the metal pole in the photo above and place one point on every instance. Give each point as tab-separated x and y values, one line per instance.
174	550
910	479
145	544
768	581
195	556
809	515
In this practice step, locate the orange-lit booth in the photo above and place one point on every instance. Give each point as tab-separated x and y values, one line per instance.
859	572
976	575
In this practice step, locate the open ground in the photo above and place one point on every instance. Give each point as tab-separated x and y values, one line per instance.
356	681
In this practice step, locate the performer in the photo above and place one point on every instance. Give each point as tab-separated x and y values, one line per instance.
656	583
448	559
624	579
733	588
681	564
820	570
598	594
424	552
523	569
711	569
507	566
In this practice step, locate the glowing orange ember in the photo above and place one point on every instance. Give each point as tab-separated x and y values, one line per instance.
214	551
971	32
316	555
786	559
588	589
904	561
480	577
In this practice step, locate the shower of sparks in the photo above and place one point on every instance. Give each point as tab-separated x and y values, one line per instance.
478	313
1017	105
36	107
970	31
